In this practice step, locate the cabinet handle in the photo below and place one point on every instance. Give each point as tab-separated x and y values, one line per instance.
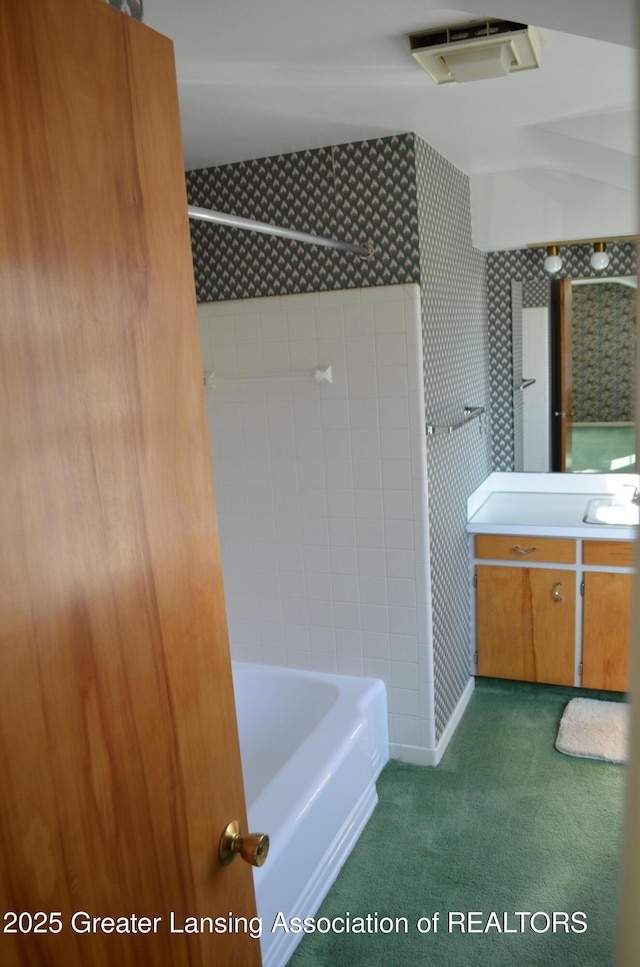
557	597
520	550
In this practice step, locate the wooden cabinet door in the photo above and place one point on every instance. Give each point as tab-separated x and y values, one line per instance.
607	630
119	759
526	623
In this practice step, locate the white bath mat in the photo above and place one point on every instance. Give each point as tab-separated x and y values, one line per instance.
594	729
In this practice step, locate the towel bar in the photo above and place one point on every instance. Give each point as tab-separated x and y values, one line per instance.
470	413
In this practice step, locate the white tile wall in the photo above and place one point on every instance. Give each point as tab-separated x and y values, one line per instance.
321	489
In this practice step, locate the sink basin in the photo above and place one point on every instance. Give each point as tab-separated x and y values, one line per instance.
612	511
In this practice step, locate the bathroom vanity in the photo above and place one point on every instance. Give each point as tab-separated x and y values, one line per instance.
552	560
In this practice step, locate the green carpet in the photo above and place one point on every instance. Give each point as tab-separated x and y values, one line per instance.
598	447
506	824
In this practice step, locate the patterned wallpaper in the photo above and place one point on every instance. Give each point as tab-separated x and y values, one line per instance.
536	292
604	352
456	368
358	192
526	265
415	207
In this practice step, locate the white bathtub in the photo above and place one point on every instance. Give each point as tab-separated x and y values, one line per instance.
312	747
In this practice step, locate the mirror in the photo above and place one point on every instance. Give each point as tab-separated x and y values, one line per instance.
593	349
574	375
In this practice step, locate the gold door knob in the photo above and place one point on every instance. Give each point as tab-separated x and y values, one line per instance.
253	848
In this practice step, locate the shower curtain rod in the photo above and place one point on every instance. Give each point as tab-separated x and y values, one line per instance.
235	221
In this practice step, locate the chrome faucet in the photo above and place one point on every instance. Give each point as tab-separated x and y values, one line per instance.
635	497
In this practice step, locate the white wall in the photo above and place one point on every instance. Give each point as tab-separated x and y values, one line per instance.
321	490
512	209
537	398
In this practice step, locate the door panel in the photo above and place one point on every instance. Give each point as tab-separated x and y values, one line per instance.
607	631
526	623
552	647
118	742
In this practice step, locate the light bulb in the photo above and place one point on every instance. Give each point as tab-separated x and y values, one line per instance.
599	257
553	262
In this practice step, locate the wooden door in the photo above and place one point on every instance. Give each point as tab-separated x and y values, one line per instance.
562	377
607	631
526	623
118	746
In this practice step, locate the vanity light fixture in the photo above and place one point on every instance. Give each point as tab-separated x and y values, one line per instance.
553	262
599	257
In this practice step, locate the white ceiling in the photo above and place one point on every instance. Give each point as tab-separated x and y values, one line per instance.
264	77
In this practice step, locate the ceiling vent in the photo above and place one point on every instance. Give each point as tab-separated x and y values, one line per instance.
476	51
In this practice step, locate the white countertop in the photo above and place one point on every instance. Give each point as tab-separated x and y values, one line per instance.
548	505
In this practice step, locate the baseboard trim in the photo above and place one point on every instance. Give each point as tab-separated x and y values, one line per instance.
420	756
454	721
